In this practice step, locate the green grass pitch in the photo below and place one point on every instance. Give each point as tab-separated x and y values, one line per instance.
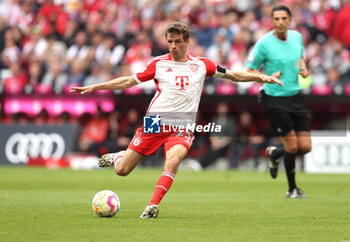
39	204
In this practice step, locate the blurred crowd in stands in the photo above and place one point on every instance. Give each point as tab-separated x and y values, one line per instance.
244	134
47	46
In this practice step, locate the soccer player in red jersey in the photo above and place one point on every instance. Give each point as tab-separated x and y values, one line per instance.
179	79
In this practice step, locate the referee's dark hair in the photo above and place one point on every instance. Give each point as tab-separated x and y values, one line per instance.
281	8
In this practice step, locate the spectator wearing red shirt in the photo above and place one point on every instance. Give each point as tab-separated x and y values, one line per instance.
52	18
341	30
323	18
139	53
49	11
15	83
95	133
92	5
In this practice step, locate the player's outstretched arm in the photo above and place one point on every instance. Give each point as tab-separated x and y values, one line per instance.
277	74
242	76
115	84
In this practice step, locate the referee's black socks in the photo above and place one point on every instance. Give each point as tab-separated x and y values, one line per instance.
277	153
289	164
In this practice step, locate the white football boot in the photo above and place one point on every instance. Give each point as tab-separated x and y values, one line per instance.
109	159
150	211
295	193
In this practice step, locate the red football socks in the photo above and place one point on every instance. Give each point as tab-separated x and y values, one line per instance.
162	186
117	160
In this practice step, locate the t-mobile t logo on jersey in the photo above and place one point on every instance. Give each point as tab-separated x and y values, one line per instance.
181	81
151	124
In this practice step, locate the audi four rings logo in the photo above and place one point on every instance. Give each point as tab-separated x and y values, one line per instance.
19	147
331	154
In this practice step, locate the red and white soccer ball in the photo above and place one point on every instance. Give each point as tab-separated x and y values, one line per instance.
106	203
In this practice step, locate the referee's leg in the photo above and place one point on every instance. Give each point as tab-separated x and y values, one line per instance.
290	142
304	142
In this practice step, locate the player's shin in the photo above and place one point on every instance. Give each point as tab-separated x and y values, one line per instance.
162	187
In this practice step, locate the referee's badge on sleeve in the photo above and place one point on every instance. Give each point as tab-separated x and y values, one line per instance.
250	57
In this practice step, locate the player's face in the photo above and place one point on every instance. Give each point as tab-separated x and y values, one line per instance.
177	46
281	21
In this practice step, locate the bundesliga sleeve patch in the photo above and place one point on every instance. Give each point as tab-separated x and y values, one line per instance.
220	71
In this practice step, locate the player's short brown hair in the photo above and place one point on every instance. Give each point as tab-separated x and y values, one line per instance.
178	28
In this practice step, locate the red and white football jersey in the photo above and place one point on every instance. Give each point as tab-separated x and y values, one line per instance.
179	84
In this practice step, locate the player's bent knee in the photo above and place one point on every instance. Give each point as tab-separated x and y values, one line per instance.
122	171
173	164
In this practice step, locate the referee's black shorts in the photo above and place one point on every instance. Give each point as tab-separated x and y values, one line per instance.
285	113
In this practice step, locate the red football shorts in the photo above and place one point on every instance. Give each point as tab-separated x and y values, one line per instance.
148	144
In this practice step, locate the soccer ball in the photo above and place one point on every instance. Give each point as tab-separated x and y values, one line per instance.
106	203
